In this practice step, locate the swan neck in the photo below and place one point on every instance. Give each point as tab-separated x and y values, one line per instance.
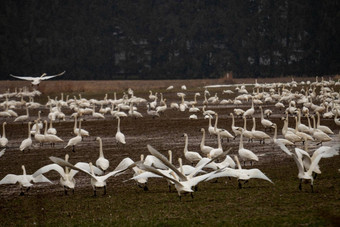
203	138
186	144
29	129
241	141
101	154
118	125
3	130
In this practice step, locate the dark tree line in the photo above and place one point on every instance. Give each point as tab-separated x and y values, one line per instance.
149	39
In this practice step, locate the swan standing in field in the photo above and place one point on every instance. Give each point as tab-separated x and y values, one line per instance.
266	123
102	162
257	134
96	114
323	128
251	111
22	118
216	151
96	181
245	154
51	130
120	137
50	138
67	180
3	139
75	140
223	132
246	133
205	149
26	143
284	141
319	135
37	80
191	156
235	129
76	130
24	180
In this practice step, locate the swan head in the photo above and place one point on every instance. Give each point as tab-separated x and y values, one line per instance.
202	129
185	135
5	123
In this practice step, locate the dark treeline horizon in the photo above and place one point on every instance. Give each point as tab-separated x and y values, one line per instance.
169	39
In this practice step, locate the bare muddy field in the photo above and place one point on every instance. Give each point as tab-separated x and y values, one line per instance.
219	202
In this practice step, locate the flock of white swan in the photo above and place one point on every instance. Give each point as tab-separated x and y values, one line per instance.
313	101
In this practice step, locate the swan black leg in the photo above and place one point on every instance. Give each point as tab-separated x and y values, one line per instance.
192	195
300	187
105	190
239	184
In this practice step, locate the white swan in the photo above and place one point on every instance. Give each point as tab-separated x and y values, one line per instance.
3	139
102	162
75	140
96	114
303	175
216	151
284	141
96	181
191	156
223	132
24	180
251	111
22	118
235	129
183	184
205	149
266	123
245	154
323	128
26	143
120	137
50	138
67	180
257	134
319	135
246	133
38	79
51	130
2	152
76	130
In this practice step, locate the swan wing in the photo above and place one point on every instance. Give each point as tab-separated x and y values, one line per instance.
256	173
48	168
155	171
2	152
119	170
10	179
49	77
225	172
124	164
205	162
195	180
85	166
152	160
64	163
327	152
298	163
145	175
23	77
284	148
162	158
41	179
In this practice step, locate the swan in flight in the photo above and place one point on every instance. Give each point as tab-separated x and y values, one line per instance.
96	181
67	180
38	79
24	180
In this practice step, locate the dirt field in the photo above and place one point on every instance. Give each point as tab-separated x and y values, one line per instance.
259	203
